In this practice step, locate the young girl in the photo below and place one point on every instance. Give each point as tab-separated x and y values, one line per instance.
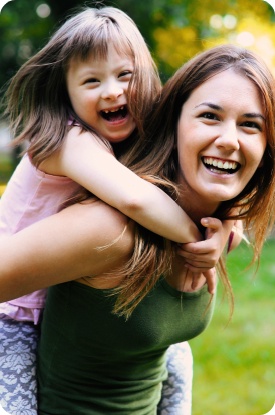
75	102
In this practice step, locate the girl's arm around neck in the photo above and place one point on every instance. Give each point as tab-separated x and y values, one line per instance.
86	160
64	247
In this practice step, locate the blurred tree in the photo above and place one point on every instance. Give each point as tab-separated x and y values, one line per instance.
174	29
195	26
22	32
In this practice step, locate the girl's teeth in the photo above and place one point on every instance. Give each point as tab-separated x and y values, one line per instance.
106	111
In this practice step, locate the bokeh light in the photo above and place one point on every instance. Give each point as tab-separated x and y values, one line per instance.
245	39
43	10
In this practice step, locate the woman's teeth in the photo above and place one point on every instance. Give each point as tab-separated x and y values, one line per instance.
230	166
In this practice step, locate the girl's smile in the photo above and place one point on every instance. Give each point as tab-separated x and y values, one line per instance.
221	139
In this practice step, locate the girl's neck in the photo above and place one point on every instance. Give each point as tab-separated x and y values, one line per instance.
124	146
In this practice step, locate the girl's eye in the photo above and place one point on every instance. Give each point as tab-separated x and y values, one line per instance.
91	81
125	75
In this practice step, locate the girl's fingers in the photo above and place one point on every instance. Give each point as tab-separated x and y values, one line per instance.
210	276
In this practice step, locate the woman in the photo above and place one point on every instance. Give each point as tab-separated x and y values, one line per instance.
104	336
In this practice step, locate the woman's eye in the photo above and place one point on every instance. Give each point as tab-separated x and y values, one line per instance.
252	124
209	116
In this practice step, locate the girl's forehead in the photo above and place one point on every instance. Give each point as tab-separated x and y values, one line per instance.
114	56
102	54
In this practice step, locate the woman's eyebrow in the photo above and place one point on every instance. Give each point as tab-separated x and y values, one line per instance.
219	108
255	115
210	105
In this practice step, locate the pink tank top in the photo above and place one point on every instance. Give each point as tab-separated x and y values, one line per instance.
30	196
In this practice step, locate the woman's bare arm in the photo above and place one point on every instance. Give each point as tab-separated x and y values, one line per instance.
64	247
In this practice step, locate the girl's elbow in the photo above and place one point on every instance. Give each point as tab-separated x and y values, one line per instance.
133	207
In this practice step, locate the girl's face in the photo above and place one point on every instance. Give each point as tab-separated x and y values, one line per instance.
97	90
221	139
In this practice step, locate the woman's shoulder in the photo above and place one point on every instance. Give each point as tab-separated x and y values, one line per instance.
102	224
84	239
103	238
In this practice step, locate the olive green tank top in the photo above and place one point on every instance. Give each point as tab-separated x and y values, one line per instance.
92	362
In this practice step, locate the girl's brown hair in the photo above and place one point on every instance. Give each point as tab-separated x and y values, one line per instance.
38	105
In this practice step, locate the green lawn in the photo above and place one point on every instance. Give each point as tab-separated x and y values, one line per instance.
6	168
234	363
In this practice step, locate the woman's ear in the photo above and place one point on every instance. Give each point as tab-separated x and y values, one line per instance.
261	164
262	161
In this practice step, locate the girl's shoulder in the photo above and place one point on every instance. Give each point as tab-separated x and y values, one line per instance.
80	136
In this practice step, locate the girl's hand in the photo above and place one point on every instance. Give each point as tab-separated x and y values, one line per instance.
201	256
210	277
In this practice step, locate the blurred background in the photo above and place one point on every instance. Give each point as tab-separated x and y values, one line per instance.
234	369
174	30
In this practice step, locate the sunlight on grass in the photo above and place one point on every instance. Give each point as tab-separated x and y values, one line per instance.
234	368
2	188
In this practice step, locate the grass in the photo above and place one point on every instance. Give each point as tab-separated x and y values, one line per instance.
234	365
6	168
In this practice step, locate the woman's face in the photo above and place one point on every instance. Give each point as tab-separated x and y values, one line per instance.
221	139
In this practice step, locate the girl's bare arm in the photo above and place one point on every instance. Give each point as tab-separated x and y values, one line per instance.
86	160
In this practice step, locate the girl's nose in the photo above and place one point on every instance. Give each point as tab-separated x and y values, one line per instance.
228	138
112	90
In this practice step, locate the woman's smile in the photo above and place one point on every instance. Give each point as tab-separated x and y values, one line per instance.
221	138
216	165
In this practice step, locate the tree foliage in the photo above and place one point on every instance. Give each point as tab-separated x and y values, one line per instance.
174	29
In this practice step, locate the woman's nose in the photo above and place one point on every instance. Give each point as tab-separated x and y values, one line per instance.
229	138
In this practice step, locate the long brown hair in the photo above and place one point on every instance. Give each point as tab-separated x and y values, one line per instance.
38	106
256	202
157	157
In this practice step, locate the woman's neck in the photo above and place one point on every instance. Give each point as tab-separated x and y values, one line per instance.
196	207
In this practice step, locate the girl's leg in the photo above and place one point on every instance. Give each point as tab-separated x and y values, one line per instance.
18	345
176	395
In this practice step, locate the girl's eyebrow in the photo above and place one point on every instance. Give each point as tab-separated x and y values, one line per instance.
218	108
